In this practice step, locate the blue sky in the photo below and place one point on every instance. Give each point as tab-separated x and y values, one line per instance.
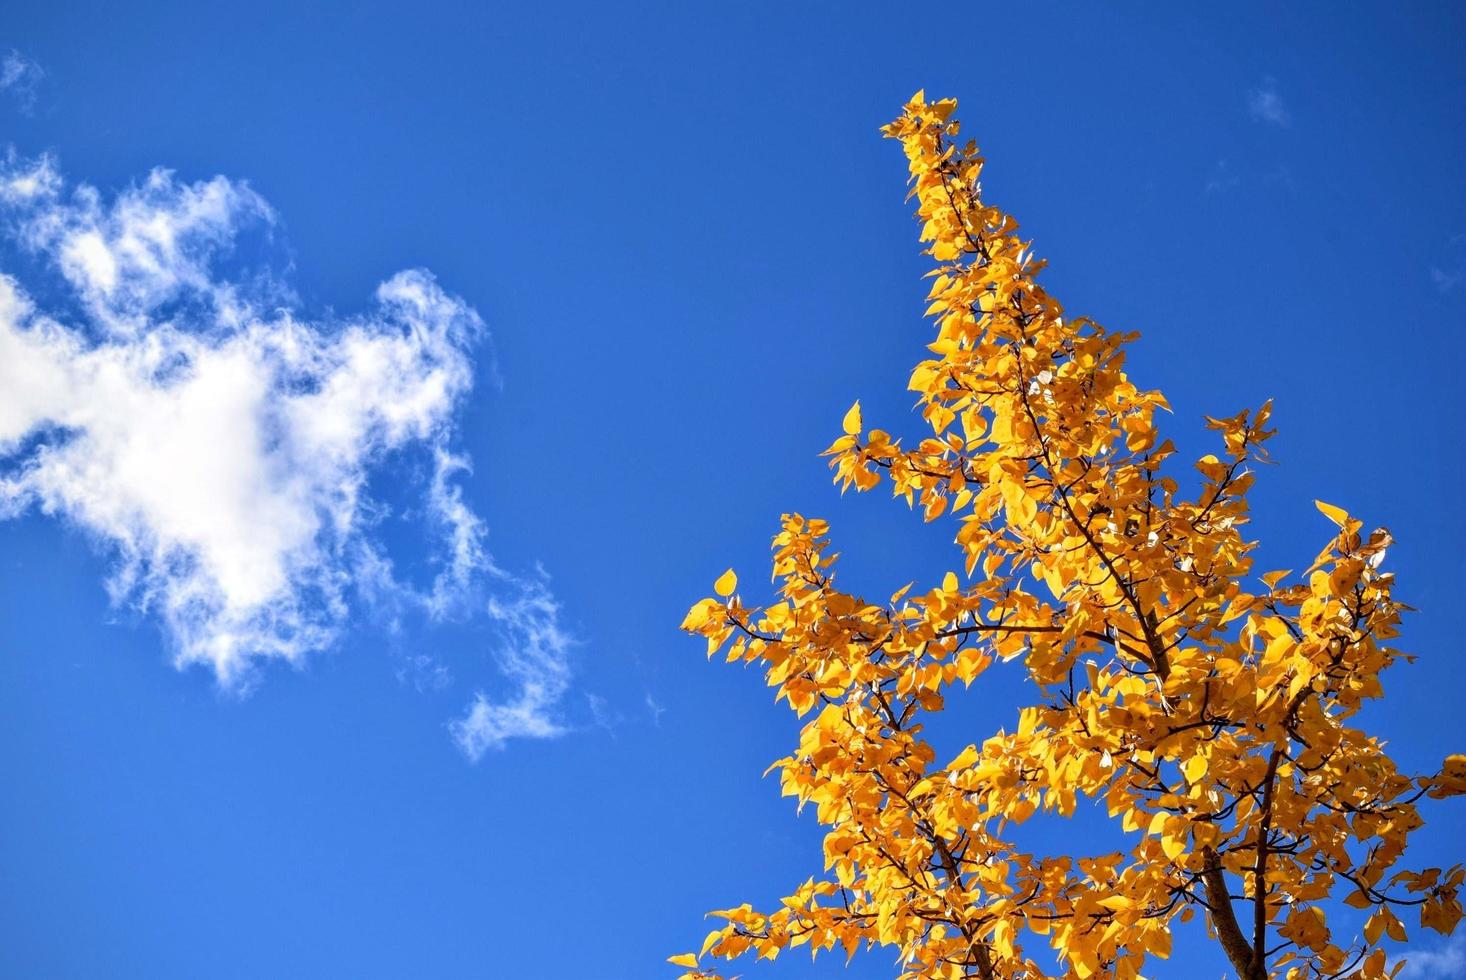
388	684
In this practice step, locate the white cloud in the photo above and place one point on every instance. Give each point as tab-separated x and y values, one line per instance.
534	653
219	444
22	182
1445	962
19	78
154	245
1265	104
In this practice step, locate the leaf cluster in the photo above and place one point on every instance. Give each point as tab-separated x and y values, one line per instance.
1208	711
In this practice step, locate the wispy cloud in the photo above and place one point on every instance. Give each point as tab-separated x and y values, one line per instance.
1223	178
1265	104
1450	272
534	652
20	78
1445	962
220	444
602	715
656	708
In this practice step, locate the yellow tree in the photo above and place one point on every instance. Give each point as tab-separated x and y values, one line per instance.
1205	710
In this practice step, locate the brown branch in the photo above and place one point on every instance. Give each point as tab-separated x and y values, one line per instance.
1259	871
1224	918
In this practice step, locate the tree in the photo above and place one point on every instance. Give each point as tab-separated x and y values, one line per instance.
1208	715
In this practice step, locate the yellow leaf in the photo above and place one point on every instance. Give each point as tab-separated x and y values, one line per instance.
1375	927
726	583
1452	778
853	422
683	959
1336	514
1394	928
949	582
1003	938
699	615
1158	941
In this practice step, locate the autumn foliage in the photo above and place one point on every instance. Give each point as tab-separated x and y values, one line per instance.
1206	709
